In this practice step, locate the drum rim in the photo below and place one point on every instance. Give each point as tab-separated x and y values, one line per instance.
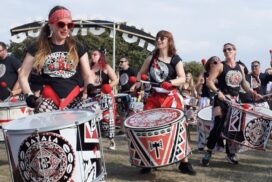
148	128
90	116
22	103
121	94
254	112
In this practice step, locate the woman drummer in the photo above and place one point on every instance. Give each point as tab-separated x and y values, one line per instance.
166	70
231	77
105	79
59	59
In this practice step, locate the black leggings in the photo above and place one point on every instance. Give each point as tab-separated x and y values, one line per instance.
215	133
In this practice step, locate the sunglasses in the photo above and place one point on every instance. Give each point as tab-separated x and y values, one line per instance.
160	38
255	66
227	49
122	61
61	24
94	54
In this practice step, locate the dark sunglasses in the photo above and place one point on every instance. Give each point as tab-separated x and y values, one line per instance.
255	66
122	61
161	38
62	24
227	49
94	54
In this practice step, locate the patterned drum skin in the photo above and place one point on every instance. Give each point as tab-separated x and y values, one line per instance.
56	146
157	137
250	128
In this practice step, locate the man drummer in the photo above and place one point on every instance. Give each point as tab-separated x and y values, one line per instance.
125	73
230	77
9	67
258	82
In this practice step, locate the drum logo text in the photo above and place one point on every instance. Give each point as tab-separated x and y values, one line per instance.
46	156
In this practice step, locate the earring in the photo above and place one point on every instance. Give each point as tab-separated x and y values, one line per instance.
50	34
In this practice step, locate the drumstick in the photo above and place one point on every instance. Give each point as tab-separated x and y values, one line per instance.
245	107
149	82
267	95
270	51
4	85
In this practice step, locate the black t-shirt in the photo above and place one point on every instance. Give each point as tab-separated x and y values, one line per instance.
124	79
229	81
58	71
257	84
9	74
160	71
206	92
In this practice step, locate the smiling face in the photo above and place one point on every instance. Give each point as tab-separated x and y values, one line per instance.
229	51
62	28
162	42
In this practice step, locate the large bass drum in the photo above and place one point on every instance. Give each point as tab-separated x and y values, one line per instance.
248	127
157	137
55	146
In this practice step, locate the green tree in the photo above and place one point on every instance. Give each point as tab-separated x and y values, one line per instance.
194	67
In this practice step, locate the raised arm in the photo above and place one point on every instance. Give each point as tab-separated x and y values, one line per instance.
24	73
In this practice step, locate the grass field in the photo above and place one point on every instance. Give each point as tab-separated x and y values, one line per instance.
254	166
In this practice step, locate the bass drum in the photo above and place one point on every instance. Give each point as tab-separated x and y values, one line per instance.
157	137
56	146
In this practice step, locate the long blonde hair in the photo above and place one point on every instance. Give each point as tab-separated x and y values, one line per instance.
44	48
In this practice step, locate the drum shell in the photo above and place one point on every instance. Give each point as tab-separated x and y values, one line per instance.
250	128
11	111
157	146
73	150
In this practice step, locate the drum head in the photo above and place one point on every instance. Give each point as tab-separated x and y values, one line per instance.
265	111
12	104
154	118
49	121
205	114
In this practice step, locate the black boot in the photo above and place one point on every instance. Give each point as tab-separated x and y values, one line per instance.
186	168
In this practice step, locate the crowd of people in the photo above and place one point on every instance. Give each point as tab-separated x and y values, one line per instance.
57	73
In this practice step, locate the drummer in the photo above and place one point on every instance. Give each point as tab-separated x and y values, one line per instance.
258	81
105	77
9	68
166	70
59	59
230	77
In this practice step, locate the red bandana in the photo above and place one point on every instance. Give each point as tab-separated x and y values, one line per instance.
59	14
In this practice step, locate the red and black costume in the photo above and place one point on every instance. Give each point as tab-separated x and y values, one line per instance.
61	78
159	72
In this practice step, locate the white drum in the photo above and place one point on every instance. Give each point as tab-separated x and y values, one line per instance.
204	125
12	110
55	146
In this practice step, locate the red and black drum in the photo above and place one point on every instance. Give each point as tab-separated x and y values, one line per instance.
56	146
248	127
157	137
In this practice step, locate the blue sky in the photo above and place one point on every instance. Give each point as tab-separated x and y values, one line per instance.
200	27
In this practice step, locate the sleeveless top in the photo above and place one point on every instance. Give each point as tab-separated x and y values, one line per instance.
229	81
160	71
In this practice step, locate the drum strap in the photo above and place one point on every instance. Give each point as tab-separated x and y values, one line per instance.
170	98
48	92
